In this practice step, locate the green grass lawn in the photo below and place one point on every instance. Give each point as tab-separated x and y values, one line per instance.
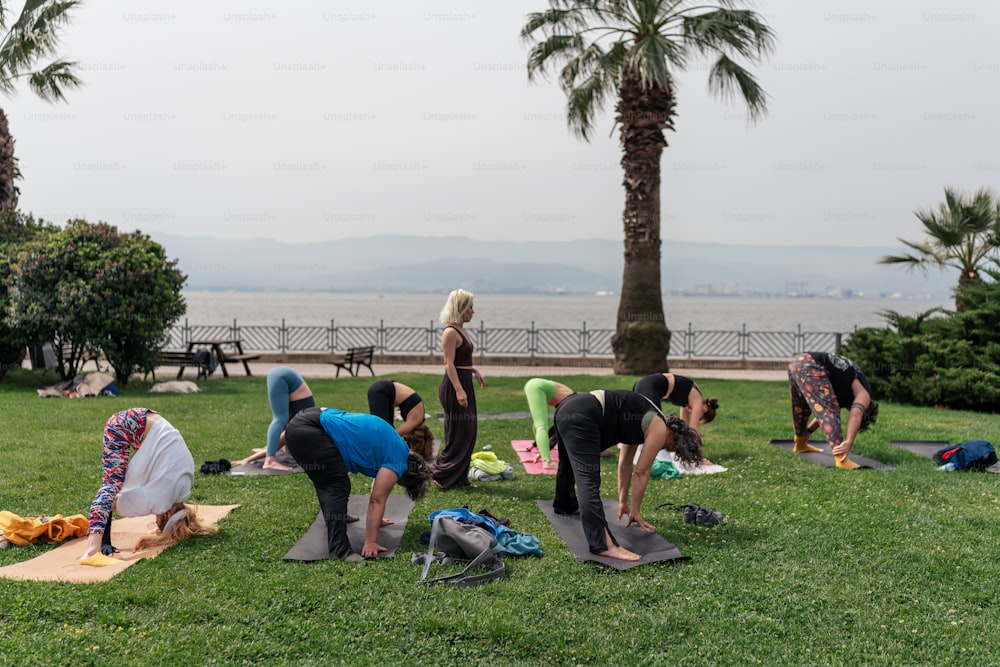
812	566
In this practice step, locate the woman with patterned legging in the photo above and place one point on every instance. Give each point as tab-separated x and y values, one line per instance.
147	469
822	384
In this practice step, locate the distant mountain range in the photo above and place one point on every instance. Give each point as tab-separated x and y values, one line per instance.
418	264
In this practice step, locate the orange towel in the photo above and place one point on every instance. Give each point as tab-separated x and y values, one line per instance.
25	530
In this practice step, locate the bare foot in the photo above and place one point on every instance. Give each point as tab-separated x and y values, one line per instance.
271	463
535	459
846	463
549	465
620	553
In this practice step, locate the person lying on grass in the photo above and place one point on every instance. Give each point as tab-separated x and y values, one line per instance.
587	424
147	469
330	443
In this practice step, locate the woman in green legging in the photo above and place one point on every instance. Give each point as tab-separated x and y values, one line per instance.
542	394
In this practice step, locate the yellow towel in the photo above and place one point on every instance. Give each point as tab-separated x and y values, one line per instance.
25	530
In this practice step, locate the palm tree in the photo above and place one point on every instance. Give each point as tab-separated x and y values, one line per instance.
631	49
962	234
32	37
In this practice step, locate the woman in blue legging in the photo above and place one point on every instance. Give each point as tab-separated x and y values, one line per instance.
287	395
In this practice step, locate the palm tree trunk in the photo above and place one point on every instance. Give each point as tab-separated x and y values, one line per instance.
8	167
642	340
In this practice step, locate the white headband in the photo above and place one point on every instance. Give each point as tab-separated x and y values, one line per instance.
172	521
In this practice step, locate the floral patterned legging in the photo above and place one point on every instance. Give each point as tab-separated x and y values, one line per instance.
812	393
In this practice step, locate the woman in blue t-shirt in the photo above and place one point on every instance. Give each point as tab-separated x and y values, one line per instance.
330	443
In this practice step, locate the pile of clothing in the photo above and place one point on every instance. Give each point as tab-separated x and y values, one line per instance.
92	384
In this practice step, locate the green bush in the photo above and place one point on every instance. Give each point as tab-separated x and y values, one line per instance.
93	287
16	229
951	360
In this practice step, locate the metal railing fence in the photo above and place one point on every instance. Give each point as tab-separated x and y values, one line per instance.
687	343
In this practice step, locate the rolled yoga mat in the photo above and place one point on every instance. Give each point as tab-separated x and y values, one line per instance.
651	546
825	458
313	545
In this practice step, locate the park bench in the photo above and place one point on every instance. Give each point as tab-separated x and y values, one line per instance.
90	353
224	356
355	357
183	360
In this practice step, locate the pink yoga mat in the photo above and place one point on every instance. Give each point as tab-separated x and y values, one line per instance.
526	456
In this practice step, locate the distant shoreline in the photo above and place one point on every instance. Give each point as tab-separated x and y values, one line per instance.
928	296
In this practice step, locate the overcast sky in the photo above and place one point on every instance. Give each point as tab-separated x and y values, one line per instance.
308	120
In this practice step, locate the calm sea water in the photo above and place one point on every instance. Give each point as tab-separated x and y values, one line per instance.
546	312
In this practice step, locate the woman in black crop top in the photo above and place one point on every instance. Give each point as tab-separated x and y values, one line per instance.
384	396
587	424
681	391
822	384
457	394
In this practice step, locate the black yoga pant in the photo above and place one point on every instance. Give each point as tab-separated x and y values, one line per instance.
381	396
313	449
578	431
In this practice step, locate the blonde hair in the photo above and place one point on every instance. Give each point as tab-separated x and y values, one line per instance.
457	301
189	526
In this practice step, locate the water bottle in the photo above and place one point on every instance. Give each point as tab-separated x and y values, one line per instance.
947	467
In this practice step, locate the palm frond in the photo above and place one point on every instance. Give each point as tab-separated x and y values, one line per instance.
559	48
651	38
50	82
728	77
585	100
33	36
552	21
649	58
588	59
730	31
911	262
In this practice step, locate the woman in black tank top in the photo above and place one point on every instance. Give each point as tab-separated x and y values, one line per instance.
587	424
457	394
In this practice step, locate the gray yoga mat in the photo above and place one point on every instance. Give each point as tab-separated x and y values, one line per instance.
651	546
313	545
500	415
825	458
257	467
925	448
